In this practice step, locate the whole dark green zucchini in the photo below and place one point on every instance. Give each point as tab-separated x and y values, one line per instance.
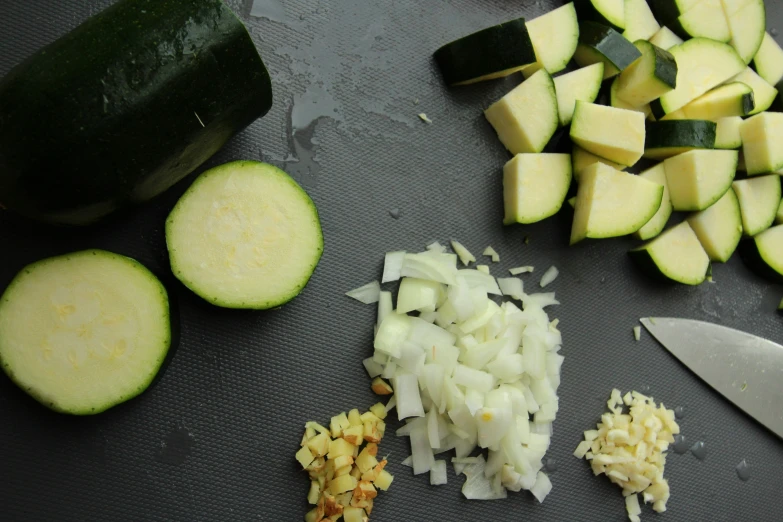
124	106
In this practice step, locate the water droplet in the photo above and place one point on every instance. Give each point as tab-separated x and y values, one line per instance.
699	451
679	412
395	213
773	32
743	470
680	444
550	465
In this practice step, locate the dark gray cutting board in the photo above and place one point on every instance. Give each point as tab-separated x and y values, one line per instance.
214	440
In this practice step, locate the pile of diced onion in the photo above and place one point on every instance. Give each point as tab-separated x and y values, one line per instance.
468	373
630	448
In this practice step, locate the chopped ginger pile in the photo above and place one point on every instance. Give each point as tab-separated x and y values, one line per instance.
630	448
344	478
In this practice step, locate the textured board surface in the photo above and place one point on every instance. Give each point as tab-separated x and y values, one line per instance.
215	438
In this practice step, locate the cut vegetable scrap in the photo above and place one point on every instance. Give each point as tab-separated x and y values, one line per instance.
423	117
344	477
463	253
520	270
630	449
637	334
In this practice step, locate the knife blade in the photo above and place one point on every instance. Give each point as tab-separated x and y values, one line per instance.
744	368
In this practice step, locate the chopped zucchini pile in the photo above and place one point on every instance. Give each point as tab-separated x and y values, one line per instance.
693	85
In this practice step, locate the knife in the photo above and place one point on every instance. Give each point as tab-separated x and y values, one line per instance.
744	368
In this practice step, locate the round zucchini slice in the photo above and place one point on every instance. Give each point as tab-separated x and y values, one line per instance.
244	235
83	332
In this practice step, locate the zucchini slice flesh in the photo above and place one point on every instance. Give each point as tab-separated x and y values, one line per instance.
701	65
761	143
665	39
640	24
657	223
535	186
667	138
606	12
763	93
614	134
719	227
494	52
705	19
768	61
666	10
699	178
675	255
527	117
727	134
610	203
85	331
651	75
555	36
747	26
759	200
763	253
244	235
581	159
582	84
779	215
732	99
618	103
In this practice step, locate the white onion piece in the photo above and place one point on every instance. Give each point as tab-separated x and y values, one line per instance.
406	390
385	306
469	373
438	473
473	379
408	461
477	486
464	254
476	279
484	269
637	332
367	294
435	246
549	276
391	404
489	251
520	270
428	267
512	287
392	332
418	295
392	266
542	487
421	452
540	300
373	368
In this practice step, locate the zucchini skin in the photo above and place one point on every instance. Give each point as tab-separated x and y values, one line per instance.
680	133
665	66
750	254
608	42
124	106
488	51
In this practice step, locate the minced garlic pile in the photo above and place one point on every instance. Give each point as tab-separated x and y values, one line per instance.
630	449
343	476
